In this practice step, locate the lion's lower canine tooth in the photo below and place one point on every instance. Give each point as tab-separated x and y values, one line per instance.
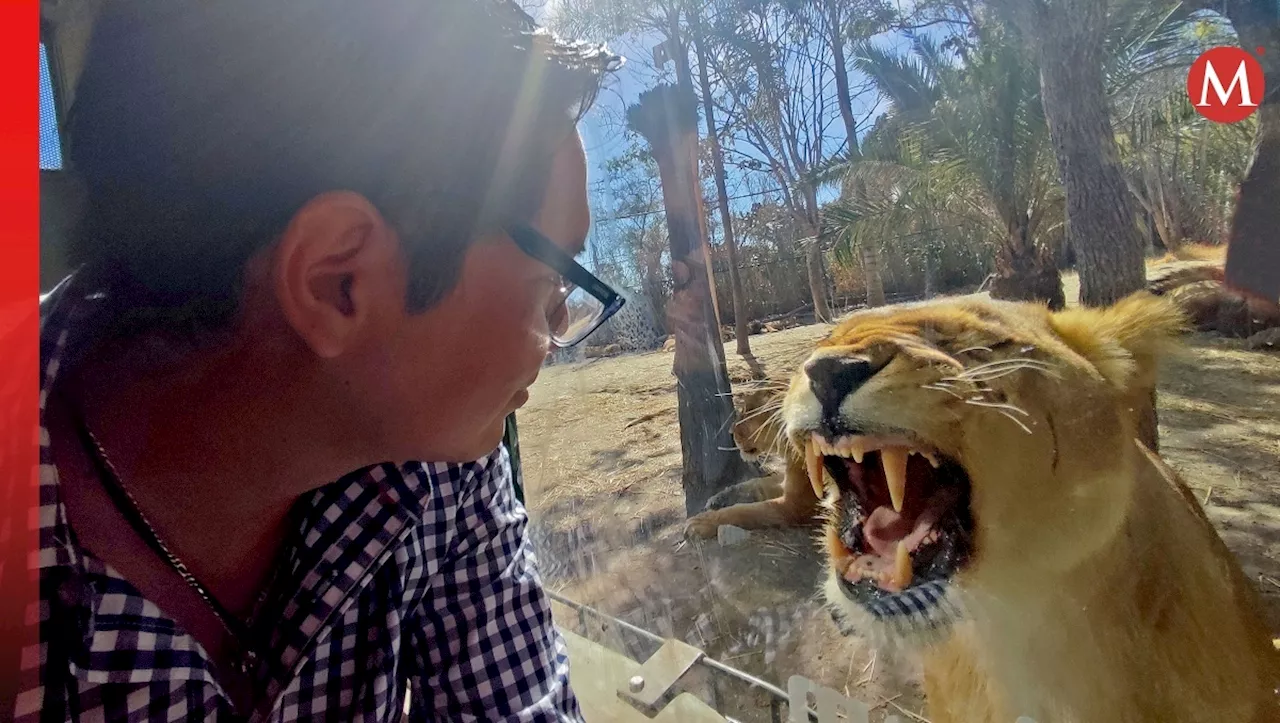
902	566
894	460
813	461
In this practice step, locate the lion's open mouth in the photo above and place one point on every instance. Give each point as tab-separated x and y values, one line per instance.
901	525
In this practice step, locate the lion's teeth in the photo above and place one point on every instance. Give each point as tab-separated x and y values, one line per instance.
857	447
902	566
894	460
933	458
813	462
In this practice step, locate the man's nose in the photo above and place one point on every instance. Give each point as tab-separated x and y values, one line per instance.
833	378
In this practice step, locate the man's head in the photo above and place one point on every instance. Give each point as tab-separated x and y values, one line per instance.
326	185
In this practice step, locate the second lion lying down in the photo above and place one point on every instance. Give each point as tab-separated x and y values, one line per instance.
988	503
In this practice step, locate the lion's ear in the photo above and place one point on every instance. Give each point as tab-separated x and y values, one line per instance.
1125	340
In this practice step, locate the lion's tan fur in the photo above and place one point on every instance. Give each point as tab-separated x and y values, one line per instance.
1098	592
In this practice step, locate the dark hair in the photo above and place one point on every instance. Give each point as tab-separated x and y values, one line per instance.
199	128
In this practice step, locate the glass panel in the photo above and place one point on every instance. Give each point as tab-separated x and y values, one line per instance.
661	414
601	450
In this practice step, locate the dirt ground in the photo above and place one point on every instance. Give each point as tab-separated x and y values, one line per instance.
601	456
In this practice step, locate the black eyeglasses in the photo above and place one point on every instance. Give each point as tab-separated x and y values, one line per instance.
583	302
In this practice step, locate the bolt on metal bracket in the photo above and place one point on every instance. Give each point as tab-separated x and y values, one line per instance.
659	674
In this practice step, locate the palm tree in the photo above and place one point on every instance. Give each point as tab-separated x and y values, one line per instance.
1182	169
964	144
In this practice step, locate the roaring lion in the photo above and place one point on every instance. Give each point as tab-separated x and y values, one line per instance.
989	505
762	502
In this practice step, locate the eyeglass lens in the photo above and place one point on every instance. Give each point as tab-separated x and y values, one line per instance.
575	315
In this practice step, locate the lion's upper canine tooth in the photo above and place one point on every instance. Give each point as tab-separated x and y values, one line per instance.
902	566
894	460
813	462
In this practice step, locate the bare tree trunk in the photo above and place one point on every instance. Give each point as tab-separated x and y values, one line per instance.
929	283
741	330
1164	231
813	255
1101	225
667	117
843	94
817	280
684	83
869	253
1173	199
1254	252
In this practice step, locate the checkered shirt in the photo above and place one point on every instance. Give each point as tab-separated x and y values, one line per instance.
413	579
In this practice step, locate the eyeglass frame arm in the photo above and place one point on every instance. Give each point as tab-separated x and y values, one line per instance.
538	246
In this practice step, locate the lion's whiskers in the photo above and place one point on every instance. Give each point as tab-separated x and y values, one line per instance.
763	409
779	431
1002	409
1015	420
998	373
980	402
943	388
1001	367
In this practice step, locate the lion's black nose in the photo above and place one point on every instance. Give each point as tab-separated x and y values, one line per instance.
833	378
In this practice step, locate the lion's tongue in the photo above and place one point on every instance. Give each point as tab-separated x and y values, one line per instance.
890	537
885	528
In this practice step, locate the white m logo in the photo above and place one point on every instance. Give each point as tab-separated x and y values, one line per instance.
1241	78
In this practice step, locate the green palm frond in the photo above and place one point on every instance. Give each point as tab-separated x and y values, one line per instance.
1145	37
903	80
964	146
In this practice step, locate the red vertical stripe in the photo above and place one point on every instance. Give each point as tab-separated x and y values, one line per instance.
19	327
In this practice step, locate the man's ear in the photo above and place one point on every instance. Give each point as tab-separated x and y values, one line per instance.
1124	341
334	269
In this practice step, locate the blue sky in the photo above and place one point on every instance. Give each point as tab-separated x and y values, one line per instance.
50	150
605	140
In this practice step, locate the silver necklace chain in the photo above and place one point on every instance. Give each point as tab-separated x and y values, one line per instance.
245	659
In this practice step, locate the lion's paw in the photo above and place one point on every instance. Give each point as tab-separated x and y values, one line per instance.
701	527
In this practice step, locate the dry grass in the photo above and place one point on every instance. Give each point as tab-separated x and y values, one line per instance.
1192	252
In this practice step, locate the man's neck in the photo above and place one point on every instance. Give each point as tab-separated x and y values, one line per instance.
215	453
